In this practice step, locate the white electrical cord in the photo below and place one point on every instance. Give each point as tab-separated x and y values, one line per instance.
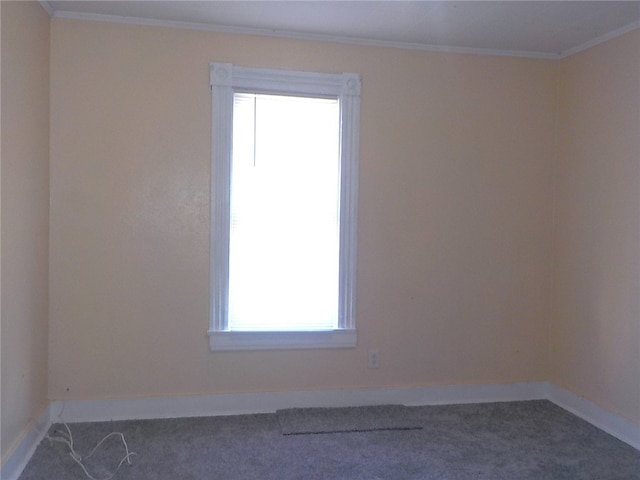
68	441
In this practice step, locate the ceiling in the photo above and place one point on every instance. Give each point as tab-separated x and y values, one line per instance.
545	29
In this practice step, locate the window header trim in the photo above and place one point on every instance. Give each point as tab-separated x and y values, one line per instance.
281	81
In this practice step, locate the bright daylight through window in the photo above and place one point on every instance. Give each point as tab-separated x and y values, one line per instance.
284	230
284	193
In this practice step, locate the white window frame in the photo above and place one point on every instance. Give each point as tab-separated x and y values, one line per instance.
225	79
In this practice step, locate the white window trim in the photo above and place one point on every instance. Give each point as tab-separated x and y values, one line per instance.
225	79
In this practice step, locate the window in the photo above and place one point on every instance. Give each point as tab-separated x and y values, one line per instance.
283	207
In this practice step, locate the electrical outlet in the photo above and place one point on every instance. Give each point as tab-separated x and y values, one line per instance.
374	359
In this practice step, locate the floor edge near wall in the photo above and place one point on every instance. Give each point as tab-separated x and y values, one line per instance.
24	448
233	404
611	423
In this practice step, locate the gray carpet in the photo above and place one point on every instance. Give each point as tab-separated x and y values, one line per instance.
533	440
302	421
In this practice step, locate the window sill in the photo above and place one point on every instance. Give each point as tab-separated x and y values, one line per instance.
228	341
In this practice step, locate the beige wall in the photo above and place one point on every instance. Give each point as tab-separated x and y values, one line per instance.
458	158
455	225
25	215
595	341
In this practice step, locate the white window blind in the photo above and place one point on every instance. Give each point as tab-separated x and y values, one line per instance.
284	213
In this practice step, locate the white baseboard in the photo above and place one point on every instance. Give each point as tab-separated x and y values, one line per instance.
17	459
73	411
613	424
236	404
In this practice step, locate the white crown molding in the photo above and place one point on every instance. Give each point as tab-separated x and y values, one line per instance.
336	38
601	39
301	36
47	6
16	459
